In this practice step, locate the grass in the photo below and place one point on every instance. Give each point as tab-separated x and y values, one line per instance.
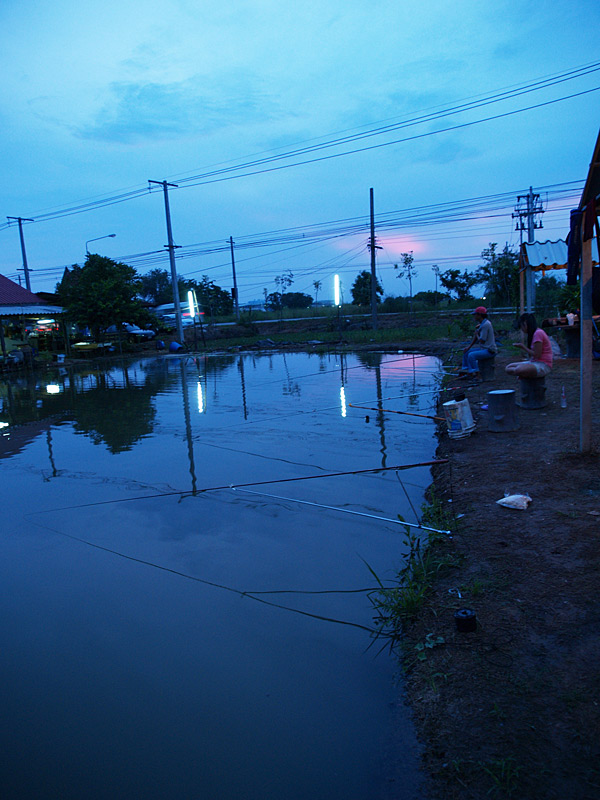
397	606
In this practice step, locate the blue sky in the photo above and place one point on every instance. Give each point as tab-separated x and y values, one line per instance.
98	98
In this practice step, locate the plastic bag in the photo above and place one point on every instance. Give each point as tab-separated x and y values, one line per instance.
520	501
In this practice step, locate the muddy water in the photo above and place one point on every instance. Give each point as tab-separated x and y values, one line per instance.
206	645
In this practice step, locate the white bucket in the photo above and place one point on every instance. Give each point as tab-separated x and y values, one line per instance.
459	418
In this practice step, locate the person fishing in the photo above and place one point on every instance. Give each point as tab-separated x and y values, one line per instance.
482	345
538	348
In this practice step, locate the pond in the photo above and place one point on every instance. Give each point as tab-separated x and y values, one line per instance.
183	617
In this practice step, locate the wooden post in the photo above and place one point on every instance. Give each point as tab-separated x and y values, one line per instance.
585	324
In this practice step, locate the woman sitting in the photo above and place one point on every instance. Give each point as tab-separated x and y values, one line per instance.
538	348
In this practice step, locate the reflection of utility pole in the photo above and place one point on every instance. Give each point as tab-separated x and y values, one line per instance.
21	220
243	382
235	289
381	416
171	248
528	206
188	423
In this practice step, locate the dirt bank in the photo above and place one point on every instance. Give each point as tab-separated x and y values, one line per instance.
513	709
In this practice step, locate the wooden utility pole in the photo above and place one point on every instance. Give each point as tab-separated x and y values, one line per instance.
171	248
373	269
235	289
21	220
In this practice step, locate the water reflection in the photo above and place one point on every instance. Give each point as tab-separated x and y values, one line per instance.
140	665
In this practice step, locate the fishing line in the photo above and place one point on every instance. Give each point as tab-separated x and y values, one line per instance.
215	585
343	510
389	411
187	493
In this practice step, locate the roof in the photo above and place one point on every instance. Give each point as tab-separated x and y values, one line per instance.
15	299
11	292
30	310
591	190
550	255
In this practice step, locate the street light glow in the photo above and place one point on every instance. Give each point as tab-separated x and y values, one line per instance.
336	290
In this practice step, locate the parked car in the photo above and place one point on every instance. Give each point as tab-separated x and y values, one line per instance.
133	331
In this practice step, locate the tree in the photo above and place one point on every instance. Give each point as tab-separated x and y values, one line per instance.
155	287
284	281
500	275
361	289
407	270
296	300
273	301
101	293
460	284
317	287
211	298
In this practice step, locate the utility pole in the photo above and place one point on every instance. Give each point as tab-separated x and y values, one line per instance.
235	290
372	247
528	206
436	272
171	248
21	220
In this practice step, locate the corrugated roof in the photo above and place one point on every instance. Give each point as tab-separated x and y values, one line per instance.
11	293
550	255
38	310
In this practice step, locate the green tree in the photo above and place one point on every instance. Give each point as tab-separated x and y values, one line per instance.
101	293
500	275
361	289
317	287
407	270
211	298
459	283
296	300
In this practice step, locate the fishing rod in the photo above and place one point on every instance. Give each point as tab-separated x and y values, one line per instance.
187	493
389	411
346	511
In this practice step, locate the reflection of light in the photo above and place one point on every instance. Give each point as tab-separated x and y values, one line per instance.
336	290
343	401
191	304
200	399
53	388
4	424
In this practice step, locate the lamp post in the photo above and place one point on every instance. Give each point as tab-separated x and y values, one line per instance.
108	236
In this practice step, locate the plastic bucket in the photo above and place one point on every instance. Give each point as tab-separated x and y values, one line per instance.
458	418
60	358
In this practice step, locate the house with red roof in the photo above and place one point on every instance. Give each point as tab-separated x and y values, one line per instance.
19	304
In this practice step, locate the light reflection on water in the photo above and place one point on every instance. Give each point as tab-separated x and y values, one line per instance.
128	680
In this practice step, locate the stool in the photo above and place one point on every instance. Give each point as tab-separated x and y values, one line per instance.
502	411
533	393
486	368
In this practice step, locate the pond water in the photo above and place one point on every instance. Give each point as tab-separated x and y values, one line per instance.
152	645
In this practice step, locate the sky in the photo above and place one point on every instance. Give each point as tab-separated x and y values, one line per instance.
274	120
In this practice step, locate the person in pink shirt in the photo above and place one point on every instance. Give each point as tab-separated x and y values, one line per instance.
538	348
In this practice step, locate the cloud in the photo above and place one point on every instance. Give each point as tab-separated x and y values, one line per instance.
141	111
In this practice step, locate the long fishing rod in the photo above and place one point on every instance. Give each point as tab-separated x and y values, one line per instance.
389	411
347	511
187	493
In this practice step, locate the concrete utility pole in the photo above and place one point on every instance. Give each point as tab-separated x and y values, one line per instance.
372	248
21	220
235	291
528	211
171	248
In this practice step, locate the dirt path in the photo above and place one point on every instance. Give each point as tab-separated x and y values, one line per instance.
513	709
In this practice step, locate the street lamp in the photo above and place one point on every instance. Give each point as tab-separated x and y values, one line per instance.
108	236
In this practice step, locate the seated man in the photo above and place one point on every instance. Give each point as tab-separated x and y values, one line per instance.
483	344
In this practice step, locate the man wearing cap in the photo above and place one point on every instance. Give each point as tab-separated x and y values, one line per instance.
483	344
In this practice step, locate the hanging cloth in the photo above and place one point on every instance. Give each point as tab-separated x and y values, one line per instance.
574	247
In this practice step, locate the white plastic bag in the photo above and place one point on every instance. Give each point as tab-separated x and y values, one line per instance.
520	501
